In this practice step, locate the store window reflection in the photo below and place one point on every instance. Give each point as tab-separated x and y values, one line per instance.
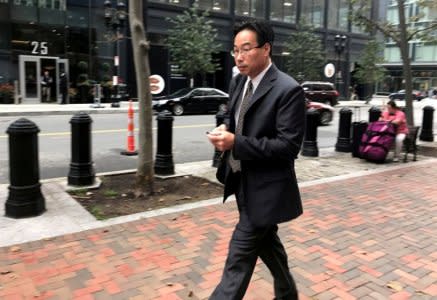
338	14
214	5
174	2
250	8
312	12
284	10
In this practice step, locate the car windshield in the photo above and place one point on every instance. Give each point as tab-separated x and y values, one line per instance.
179	93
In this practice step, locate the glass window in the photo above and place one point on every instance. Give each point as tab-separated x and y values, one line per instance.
312	12
284	10
252	8
338	14
393	15
392	54
214	5
174	2
425	52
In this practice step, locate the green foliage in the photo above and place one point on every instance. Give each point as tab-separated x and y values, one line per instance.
192	42
82	78
306	58
83	66
368	71
98	213
110	193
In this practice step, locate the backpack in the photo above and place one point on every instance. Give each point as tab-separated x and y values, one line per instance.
377	141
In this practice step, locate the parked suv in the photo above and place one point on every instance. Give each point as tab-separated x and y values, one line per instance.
320	91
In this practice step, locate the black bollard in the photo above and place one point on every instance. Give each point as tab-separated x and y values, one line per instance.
374	114
427	134
219	117
344	131
164	158
81	167
358	129
25	198
310	139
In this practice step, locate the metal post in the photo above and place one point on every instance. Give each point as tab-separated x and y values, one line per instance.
358	129
344	131
427	134
25	198
374	114
97	96
81	167
310	140
220	117
164	158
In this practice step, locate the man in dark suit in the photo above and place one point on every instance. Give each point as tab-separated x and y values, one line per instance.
261	139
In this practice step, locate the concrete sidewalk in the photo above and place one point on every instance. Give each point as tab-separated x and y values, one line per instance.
368	232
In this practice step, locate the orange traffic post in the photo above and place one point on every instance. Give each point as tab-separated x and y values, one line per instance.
130	150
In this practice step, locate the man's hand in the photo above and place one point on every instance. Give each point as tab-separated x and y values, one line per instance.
221	138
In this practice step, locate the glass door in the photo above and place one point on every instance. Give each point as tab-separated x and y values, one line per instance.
30	70
64	80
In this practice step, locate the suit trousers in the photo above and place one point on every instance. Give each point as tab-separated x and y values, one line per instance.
246	245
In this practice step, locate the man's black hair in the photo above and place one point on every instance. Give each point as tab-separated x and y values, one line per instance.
264	31
393	104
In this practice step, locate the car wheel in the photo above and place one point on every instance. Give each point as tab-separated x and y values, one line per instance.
325	117
178	110
222	108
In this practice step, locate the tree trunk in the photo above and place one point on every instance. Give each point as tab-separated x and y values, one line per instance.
145	173
406	66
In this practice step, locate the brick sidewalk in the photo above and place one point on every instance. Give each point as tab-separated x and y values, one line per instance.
369	237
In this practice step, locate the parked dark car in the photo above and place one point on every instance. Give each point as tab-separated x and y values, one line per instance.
400	95
194	100
326	111
320	91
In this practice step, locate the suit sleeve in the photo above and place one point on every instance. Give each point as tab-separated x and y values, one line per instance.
285	144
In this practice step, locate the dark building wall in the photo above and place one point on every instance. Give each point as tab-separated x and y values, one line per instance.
81	35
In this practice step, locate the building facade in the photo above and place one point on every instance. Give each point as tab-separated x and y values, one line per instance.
423	54
76	37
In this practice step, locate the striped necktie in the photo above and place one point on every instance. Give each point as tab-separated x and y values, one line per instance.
235	164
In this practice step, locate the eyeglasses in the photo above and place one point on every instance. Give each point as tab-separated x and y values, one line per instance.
243	51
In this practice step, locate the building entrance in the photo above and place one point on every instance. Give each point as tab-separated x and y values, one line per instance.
39	78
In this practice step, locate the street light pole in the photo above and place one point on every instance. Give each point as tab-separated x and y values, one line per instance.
339	45
115	19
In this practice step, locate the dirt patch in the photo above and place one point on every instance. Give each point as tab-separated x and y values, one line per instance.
115	197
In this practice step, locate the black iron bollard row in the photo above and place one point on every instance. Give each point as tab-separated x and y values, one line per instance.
374	114
81	167
25	198
310	140
344	131
219	117
427	134
164	156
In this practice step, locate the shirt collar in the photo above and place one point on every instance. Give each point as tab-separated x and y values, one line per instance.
257	79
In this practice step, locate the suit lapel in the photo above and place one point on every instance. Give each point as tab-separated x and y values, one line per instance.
236	95
264	86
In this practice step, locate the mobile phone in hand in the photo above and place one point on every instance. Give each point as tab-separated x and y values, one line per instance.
213	133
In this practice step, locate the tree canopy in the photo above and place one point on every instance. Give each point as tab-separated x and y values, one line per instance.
192	42
305	57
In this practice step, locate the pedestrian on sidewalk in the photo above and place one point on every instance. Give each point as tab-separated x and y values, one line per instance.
396	116
261	139
46	86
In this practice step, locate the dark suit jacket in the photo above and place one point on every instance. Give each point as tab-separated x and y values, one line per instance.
273	130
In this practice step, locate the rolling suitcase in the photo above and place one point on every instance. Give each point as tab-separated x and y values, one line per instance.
377	141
